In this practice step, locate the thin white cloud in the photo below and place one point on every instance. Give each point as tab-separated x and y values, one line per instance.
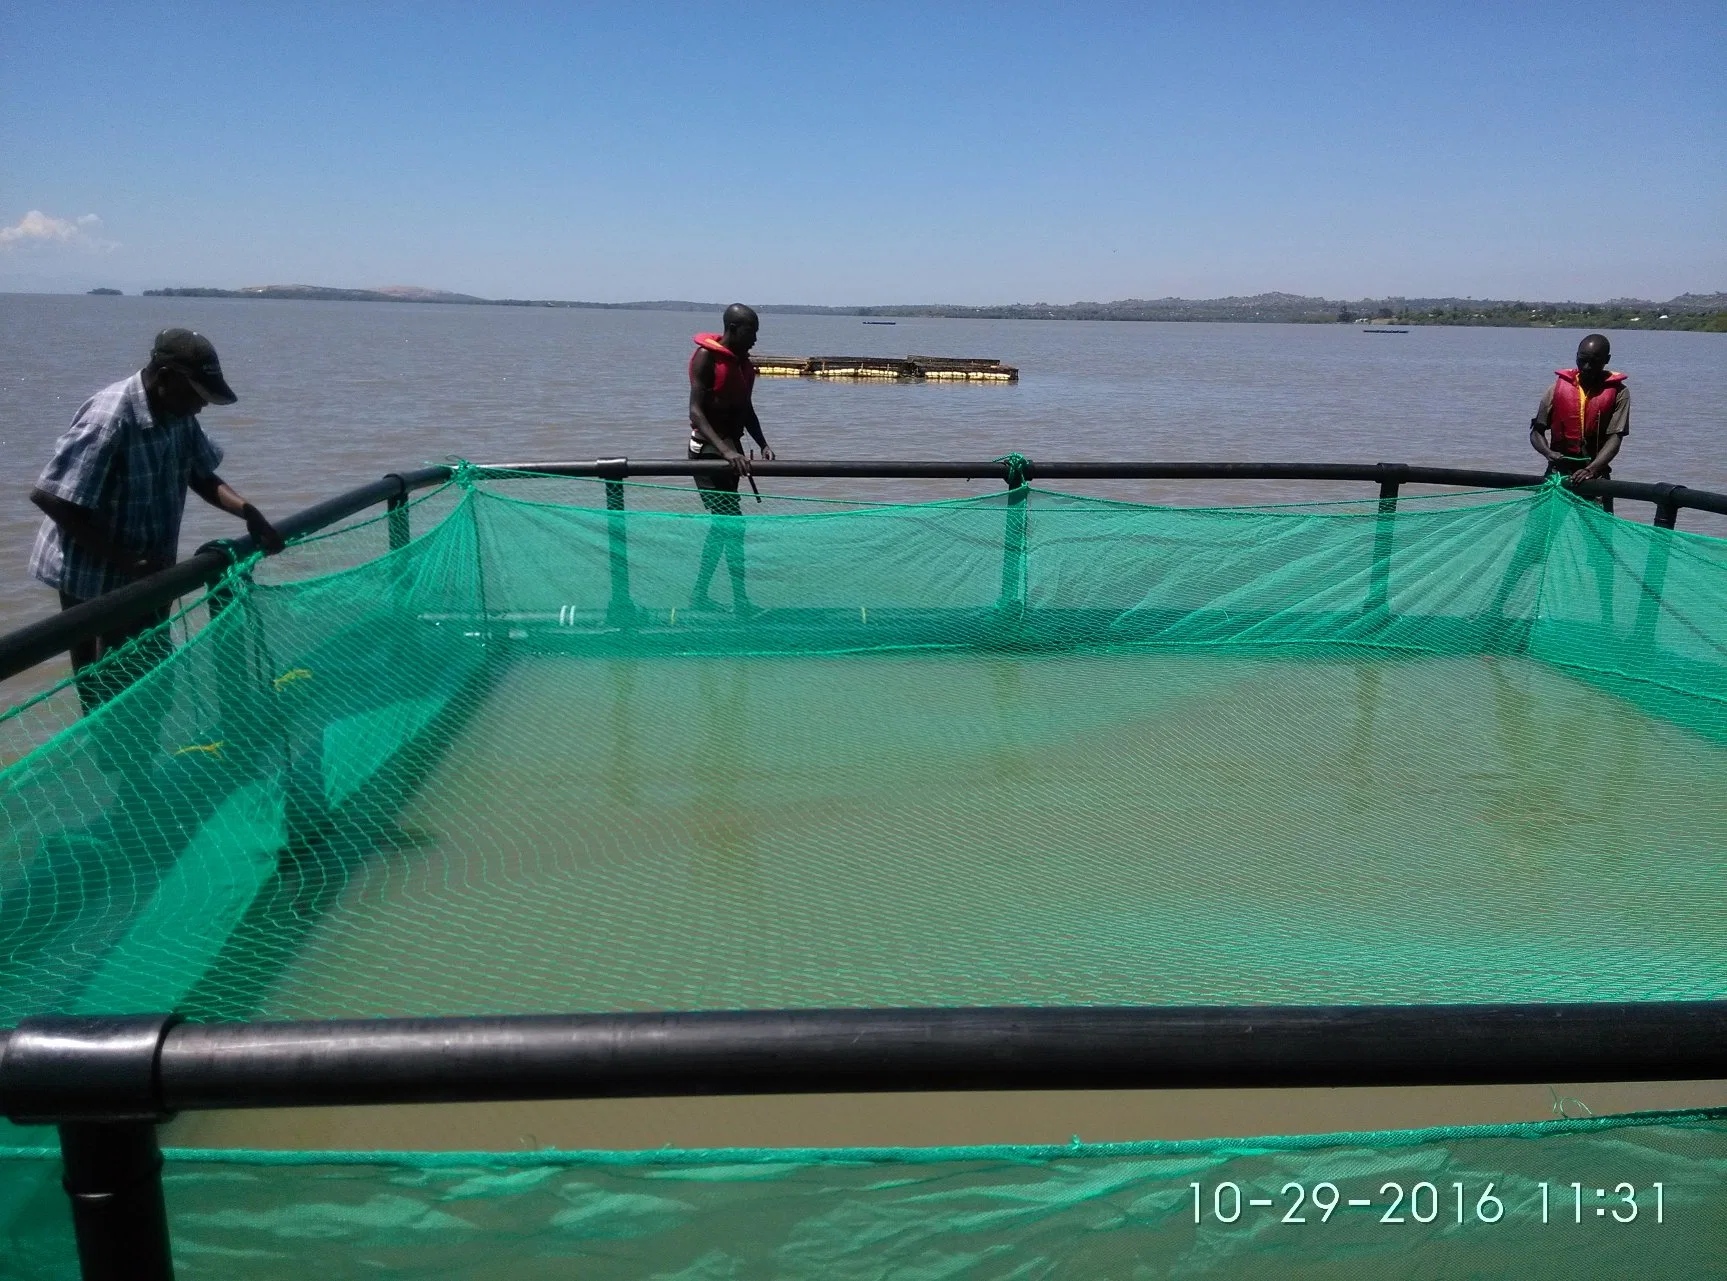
38	229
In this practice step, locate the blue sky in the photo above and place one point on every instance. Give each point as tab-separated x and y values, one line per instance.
857	153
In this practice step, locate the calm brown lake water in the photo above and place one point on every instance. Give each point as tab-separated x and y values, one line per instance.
335	393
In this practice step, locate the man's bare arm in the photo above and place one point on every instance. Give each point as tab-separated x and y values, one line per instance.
753	425
1538	440
218	493
1539	428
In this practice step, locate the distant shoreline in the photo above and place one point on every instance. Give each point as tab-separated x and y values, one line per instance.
1705	312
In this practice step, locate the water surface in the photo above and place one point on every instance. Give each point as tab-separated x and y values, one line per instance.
335	393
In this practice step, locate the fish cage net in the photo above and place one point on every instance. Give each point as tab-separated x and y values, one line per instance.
1468	1202
589	746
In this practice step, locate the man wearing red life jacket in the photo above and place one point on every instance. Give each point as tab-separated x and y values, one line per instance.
1583	417
1577	428
721	411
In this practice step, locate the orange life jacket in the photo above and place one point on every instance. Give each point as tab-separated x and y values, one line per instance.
1575	427
734	376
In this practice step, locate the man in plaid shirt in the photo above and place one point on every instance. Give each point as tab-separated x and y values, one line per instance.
115	490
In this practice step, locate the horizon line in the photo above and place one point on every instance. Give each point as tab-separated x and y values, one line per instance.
1691	299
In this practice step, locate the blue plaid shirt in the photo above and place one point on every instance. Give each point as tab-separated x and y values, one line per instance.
132	471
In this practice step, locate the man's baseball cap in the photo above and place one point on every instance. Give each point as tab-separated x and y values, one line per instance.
192	354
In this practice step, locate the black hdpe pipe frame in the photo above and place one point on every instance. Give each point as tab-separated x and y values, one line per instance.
107	1082
91	1069
25	648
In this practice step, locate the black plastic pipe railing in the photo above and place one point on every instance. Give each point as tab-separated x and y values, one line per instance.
38	642
41	641
88	1069
108	1081
1665	497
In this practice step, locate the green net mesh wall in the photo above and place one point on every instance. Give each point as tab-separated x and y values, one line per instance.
1482	1202
1028	748
1019	749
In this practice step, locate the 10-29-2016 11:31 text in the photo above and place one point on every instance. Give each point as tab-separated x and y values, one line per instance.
1427	1202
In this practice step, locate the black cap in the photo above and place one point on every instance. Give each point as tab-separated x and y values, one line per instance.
191	354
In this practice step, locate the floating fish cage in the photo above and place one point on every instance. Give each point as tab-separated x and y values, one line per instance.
486	797
911	368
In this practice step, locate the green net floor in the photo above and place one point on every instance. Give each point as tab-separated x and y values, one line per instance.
964	829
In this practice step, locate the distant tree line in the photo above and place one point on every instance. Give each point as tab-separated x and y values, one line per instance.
1547	315
1707	312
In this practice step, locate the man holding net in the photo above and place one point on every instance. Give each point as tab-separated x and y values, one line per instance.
1583	417
721	411
115	490
1578	427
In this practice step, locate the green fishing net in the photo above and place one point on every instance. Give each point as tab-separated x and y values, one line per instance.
1488	1201
586	747
1017	749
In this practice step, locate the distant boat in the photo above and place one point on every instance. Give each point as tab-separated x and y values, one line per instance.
881	322
1384	331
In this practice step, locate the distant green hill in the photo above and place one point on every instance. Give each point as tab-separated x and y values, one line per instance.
322	293
1688	311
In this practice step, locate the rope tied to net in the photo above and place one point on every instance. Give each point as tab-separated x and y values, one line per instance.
463	472
1018	468
236	579
236	562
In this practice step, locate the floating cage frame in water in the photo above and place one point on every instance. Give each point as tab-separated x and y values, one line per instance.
888	368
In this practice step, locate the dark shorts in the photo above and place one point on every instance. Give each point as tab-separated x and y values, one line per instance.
719	492
94	689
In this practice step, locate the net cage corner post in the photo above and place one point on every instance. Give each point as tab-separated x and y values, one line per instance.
1017	472
96	1079
620	608
1392	477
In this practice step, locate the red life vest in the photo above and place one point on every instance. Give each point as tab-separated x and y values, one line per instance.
734	377
1574	429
